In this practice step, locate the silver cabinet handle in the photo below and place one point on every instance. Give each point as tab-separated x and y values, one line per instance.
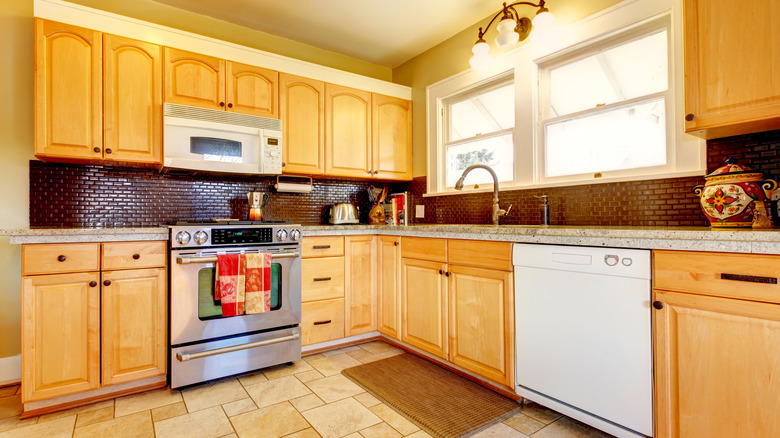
189	260
183	357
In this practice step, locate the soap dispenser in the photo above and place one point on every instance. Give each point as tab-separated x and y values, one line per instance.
544	210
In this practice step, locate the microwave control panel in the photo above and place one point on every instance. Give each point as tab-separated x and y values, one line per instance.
271	161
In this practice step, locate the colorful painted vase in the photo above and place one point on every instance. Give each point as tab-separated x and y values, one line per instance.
727	197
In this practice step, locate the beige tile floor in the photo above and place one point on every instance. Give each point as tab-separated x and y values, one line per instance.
310	399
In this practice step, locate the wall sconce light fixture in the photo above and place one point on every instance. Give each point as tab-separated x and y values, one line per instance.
511	29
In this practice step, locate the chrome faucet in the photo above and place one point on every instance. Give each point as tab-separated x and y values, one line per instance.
498	212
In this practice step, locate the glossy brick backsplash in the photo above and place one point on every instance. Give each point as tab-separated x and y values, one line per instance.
69	195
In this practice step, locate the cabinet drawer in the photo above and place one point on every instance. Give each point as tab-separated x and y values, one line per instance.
57	258
322	321
322	246
322	278
480	254
132	255
424	248
745	276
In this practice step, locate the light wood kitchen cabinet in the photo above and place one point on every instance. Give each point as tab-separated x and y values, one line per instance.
302	108
98	96
360	271
389	284
60	335
458	303
347	132
716	354
322	289
133	333
76	324
732	84
208	82
391	130
132	100
68	91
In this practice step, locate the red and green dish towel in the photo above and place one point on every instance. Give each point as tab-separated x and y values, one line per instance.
243	283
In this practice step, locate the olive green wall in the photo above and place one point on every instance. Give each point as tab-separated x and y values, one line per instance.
452	56
153	12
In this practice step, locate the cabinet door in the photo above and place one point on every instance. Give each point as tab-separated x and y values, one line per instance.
360	292
392	137
60	335
252	90
302	108
732	79
134	322
716	363
194	79
424	306
389	276
68	91
481	322
132	118
347	132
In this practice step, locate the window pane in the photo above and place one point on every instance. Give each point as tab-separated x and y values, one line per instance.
496	152
487	112
627	71
623	138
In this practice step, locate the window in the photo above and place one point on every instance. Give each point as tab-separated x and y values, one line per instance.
603	107
479	131
601	100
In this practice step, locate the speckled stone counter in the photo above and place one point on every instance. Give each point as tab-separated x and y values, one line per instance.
676	238
73	235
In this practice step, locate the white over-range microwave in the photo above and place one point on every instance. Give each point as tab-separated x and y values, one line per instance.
200	139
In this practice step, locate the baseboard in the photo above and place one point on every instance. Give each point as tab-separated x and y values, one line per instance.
10	370
339	343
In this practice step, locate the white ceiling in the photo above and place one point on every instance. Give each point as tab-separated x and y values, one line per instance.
383	32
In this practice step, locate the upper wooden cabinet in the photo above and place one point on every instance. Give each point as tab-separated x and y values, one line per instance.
367	135
208	82
98	96
68	91
132	100
391	130
302	109
732	67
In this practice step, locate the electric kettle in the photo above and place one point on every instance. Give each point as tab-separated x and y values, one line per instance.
343	214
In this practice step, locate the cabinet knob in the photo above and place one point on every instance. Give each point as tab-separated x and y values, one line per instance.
284	164
136	256
108	150
375	172
658	305
441	272
689	117
446	274
96	149
107	283
395	243
61	258
370	171
92	283
222	104
230	105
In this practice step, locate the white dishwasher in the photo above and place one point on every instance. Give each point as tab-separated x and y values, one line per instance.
583	334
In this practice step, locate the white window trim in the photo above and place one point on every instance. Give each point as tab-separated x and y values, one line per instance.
689	158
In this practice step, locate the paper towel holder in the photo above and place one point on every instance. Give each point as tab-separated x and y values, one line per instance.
295	184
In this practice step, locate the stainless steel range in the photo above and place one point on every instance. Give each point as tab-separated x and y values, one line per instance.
204	344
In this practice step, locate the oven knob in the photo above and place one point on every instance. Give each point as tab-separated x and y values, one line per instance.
281	235
201	237
295	235
182	237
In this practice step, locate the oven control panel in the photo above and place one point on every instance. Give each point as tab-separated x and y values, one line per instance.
192	236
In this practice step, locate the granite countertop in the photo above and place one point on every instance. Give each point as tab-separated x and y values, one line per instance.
676	238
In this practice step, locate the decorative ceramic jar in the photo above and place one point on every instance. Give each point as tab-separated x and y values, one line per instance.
729	195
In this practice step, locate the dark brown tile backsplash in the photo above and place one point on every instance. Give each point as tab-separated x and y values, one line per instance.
70	195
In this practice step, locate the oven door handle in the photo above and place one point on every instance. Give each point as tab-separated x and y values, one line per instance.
190	260
183	357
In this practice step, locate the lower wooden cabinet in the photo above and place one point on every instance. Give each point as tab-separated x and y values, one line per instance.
360	292
77	324
323	285
424	305
322	321
389	283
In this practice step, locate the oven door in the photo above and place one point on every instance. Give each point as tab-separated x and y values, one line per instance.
196	316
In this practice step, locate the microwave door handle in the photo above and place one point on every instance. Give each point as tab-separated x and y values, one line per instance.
191	260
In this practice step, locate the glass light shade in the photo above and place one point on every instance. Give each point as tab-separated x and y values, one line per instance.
481	57
507	37
543	21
